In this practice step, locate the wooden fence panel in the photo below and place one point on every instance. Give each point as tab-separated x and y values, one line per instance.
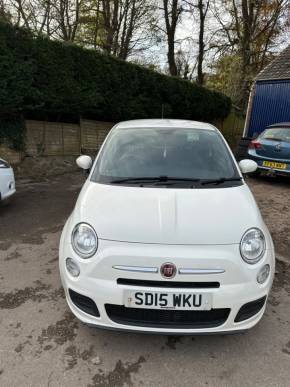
64	139
71	139
89	135
34	137
10	155
53	142
93	134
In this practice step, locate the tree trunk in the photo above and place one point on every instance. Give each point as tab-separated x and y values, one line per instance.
171	54
171	19
202	8
245	52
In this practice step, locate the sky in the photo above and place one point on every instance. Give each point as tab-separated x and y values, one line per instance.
187	38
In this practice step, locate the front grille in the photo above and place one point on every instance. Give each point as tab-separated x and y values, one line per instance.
250	309
175	319
84	303
168	284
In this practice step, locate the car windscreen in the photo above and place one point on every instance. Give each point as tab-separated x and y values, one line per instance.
180	153
278	134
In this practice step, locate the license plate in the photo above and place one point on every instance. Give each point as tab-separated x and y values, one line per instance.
272	164
168	300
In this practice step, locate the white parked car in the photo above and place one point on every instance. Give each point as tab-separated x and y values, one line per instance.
7	181
166	236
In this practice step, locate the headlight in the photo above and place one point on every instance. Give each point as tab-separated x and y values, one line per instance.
252	245
4	164
84	240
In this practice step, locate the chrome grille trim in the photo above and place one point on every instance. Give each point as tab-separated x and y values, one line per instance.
136	269
201	271
182	271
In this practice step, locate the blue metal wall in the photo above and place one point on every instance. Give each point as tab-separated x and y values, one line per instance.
270	104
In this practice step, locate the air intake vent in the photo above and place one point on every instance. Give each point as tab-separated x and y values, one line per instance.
175	319
250	309
84	303
168	284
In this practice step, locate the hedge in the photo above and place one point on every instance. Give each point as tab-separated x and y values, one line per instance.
44	77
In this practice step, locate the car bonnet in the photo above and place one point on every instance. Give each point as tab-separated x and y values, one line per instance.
208	216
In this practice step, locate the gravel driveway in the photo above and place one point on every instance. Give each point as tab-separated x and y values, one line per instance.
273	198
42	344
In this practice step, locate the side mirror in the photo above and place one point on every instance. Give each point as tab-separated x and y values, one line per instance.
248	166
84	162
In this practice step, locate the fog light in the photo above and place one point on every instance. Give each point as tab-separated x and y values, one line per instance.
263	274
72	267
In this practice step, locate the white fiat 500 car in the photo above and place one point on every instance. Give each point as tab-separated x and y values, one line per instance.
166	236
7	181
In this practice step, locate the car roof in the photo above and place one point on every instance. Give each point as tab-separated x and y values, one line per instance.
280	125
164	123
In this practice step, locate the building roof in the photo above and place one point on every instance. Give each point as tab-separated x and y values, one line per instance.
164	123
278	69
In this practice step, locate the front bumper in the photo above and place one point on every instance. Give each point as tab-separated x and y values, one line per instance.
259	160
98	281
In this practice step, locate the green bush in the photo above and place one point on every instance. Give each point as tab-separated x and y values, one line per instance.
12	132
48	77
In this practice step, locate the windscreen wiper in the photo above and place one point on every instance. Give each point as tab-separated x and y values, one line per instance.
220	180
148	179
